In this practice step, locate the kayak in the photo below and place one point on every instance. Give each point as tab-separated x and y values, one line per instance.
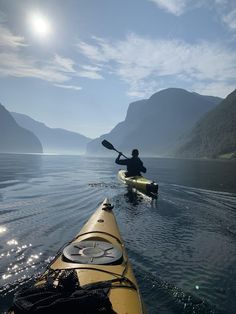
140	183
92	270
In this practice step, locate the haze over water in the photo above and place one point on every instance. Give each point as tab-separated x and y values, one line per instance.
182	247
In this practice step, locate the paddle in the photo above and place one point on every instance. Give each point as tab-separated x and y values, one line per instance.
108	145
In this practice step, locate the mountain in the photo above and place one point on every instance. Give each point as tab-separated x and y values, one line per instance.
154	125
14	138
53	140
214	135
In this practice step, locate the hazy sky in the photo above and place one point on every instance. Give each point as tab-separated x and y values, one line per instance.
77	64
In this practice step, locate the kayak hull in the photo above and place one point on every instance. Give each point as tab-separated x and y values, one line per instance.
140	183
102	230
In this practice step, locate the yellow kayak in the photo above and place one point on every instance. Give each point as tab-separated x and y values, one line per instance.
140	183
93	269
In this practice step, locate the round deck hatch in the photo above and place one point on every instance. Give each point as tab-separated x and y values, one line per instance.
92	252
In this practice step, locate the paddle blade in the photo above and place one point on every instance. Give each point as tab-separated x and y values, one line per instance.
108	145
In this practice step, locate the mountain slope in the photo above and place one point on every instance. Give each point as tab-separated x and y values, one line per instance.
215	134
53	140
14	138
154	125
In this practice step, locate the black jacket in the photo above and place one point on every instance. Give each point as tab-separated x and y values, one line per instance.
134	166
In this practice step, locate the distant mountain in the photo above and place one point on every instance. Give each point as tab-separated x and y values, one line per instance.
14	138
215	134
154	125
53	140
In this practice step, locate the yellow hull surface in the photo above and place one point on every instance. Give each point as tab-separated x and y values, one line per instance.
96	256
140	183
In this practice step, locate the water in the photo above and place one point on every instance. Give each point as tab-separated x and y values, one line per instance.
182	247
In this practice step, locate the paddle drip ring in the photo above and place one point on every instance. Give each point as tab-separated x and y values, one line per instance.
92	252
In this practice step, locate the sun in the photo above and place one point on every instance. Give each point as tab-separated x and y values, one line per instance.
40	25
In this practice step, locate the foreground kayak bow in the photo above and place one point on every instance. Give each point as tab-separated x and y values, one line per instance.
91	275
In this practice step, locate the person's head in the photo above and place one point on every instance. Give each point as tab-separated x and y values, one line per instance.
135	153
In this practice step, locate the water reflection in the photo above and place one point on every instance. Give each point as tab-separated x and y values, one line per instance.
136	198
133	197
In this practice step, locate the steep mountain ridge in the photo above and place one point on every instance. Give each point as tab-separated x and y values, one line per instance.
14	138
154	125
214	135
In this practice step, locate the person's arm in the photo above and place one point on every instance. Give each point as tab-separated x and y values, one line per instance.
143	169
120	162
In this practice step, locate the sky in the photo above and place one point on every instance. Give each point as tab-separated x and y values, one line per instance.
77	64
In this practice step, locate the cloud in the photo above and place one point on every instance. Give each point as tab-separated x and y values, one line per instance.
176	7
90	75
223	9
65	64
145	63
12	64
7	39
222	88
14	61
230	20
68	86
90	72
92	52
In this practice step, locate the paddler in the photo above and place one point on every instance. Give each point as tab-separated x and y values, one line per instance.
134	164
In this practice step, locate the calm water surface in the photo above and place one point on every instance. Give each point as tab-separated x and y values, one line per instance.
182	247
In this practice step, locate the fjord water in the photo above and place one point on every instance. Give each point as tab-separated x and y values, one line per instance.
182	246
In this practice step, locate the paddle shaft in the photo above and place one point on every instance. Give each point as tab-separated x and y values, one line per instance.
120	153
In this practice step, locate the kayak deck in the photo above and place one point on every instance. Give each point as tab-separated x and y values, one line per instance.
140	183
97	255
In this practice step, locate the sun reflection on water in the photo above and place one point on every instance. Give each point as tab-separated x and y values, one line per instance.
12	242
2	229
24	261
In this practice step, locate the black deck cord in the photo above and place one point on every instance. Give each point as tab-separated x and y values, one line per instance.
119	278
49	297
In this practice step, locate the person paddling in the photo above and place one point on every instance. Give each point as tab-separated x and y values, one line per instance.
134	164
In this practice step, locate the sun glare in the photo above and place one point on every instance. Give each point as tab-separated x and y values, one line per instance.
40	25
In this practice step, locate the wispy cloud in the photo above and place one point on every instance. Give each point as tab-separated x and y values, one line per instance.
91	51
230	20
176	7
64	64
68	86
91	72
8	39
224	9
90	75
15	65
14	61
146	63
222	88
